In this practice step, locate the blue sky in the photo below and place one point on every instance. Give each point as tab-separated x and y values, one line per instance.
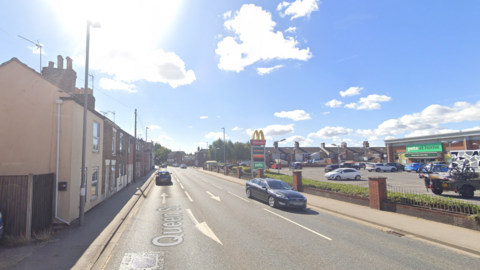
311	71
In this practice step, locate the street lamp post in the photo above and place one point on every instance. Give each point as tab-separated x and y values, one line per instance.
339	158
279	159
216	154
146	134
450	147
85	108
224	146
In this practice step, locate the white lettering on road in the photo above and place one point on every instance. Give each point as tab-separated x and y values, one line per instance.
299	225
189	196
239	197
172	227
213	197
203	227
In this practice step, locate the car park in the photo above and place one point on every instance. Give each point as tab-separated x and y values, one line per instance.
414	167
343	173
276	166
331	167
296	165
399	166
380	167
183	166
275	192
163	177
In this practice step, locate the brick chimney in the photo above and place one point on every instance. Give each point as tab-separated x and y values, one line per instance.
64	79
297	145
322	145
365	144
79	93
275	145
344	145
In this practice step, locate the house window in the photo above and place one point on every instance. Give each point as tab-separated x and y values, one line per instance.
113	185
114	136
121	141
96	137
94	188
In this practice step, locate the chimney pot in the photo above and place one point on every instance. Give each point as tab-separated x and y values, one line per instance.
297	145
59	62
69	62
322	145
51	64
275	145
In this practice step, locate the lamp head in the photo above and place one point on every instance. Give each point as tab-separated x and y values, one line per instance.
94	24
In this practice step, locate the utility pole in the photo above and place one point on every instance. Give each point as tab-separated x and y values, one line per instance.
135	149
224	146
146	134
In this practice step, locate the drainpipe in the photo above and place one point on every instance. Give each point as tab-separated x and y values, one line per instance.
465	142
59	103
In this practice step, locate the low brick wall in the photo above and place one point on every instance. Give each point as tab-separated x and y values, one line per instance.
337	196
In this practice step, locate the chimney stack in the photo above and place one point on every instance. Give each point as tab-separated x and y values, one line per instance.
297	145
69	62
275	145
322	145
366	144
59	62
344	145
51	64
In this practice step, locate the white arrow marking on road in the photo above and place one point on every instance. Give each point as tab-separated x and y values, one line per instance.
163	197
203	227
213	197
299	225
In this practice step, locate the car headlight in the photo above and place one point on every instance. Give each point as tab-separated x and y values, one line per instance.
281	196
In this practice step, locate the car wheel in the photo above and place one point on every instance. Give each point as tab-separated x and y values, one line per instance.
370	170
338	177
249	193
271	201
378	170
468	192
358	177
393	170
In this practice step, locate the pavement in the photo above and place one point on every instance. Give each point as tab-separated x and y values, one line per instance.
451	236
68	245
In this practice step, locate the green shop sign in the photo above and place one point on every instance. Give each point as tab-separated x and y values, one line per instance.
421	155
428	147
258	165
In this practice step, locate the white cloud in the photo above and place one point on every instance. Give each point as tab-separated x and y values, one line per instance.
263	71
334	103
291	30
36	50
109	84
227	15
255	40
302	140
389	137
268	138
417	133
352	91
296	115
299	8
164	137
216	135
190	127
132	57
471	129
371	102
237	128
274	130
428	121
153	127
203	117
326	112
329	132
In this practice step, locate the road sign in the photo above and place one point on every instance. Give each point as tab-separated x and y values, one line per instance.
258	165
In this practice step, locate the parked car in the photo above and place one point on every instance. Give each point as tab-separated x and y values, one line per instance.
174	165
361	165
296	165
163	177
414	167
242	164
183	166
331	167
399	166
1	225
276	166
163	166
378	167
349	165
436	168
276	192
343	173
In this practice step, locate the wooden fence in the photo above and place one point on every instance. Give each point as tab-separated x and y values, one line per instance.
16	196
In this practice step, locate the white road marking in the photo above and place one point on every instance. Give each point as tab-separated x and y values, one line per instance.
216	186
189	196
213	197
203	227
164	195
238	196
299	225
181	185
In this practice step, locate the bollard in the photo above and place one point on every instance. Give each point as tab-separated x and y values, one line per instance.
378	192
297	181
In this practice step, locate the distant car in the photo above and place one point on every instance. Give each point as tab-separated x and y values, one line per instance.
331	167
435	168
1	225
183	166
399	166
414	167
379	167
163	177
242	164
163	166
360	165
349	165
343	173
174	165
296	165
276	192
276	166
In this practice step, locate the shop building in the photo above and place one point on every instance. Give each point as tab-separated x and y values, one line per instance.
431	148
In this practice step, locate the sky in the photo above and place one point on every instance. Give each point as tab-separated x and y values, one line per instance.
310	71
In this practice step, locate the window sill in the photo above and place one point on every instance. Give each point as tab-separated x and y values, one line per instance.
96	151
93	198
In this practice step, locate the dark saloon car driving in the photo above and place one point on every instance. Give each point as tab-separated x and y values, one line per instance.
163	177
277	193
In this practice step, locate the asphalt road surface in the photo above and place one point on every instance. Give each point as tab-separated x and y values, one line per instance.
208	223
400	180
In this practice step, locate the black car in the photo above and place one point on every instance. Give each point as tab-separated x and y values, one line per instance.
361	165
331	167
277	193
399	166
1	225
163	177
296	165
349	165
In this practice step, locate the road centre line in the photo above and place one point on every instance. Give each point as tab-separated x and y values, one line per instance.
181	185
189	196
216	186
299	225
239	196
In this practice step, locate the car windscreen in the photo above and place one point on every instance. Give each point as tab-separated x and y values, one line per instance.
163	173
278	185
337	170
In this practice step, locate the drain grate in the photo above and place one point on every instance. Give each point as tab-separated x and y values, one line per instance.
396	233
145	261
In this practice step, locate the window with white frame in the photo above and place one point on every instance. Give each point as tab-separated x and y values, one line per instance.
94	187
114	136
96	137
121	142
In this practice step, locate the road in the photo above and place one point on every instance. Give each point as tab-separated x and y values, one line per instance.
208	223
401	181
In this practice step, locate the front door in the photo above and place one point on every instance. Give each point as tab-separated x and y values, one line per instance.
107	170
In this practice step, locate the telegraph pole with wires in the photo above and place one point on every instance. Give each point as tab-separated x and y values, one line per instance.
135	149
39	46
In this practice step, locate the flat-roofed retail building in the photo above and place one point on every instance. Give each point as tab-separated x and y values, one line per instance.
431	147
